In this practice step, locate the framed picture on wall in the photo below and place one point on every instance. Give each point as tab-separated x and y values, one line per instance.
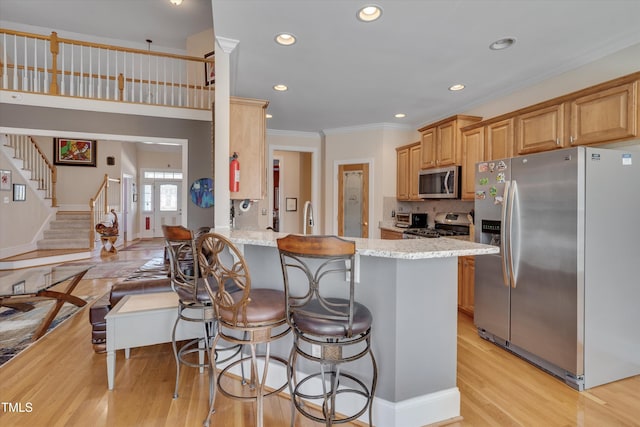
5	180
74	152
19	192
209	70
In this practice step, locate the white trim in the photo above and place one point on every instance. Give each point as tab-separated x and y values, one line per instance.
118	107
315	176
293	133
336	165
228	45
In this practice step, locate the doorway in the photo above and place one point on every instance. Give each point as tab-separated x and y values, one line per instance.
295	183
161	203
353	200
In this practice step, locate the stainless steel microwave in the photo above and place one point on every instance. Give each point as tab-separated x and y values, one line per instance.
440	183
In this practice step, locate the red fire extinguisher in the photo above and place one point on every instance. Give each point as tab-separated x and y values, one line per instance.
147	223
234	173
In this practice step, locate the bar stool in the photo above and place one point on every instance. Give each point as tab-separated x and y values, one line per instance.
329	326
246	316
194	305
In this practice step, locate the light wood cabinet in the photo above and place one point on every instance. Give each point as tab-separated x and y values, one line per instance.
428	148
540	130
247	135
408	168
604	116
390	234
472	152
499	140
441	142
402	173
466	283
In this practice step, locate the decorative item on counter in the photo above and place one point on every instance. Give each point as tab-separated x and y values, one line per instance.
245	205
107	228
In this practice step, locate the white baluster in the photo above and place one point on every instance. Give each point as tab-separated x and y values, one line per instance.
133	75
46	68
15	68
157	80
25	79
100	74
124	75
35	85
173	88
62	78
180	86
141	100
90	79
72	78
5	75
81	78
149	96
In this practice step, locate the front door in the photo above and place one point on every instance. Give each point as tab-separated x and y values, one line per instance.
161	205
353	200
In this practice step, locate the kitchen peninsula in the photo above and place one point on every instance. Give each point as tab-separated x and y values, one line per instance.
410	286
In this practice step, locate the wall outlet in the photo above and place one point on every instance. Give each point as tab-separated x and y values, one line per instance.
316	350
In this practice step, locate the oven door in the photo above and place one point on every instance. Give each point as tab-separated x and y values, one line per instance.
442	183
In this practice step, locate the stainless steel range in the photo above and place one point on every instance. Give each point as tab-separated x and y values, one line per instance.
447	224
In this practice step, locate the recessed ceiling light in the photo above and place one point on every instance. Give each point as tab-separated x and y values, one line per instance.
369	13
400	116
285	39
502	43
268	116
175	2
456	87
280	88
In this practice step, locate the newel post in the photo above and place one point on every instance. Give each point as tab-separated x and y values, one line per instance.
53	87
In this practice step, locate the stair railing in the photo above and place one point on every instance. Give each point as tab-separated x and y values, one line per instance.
105	199
42	171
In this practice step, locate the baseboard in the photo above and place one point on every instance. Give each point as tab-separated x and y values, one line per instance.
419	411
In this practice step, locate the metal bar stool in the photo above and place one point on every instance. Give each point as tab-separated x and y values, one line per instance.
194	305
329	327
246	316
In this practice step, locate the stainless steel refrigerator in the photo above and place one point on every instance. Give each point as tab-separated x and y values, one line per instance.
564	292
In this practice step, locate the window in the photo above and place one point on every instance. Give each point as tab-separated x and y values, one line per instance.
147	198
168	197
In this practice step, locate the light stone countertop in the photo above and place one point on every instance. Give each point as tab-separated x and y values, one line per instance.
400	249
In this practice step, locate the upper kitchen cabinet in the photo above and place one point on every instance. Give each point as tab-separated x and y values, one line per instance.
472	152
247	138
607	115
408	168
441	142
499	140
540	130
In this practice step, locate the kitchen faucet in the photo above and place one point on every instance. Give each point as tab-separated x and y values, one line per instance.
308	217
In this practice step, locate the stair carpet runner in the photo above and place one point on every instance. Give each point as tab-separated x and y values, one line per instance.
68	231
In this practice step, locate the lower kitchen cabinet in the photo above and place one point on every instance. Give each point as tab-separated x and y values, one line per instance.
390	235
466	283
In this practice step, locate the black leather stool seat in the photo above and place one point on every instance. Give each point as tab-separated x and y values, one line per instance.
318	321
267	306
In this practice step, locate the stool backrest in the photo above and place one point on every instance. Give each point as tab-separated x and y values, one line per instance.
226	277
183	264
307	263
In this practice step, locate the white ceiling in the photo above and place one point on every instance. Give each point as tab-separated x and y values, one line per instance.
343	72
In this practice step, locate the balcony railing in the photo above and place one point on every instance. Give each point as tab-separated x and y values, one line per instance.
57	66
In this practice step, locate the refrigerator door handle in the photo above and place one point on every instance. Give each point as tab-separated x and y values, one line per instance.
504	250
513	195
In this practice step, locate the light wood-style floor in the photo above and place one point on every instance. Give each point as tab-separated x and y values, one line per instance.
65	383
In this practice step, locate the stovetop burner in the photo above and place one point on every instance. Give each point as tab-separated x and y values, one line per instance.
422	232
446	224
